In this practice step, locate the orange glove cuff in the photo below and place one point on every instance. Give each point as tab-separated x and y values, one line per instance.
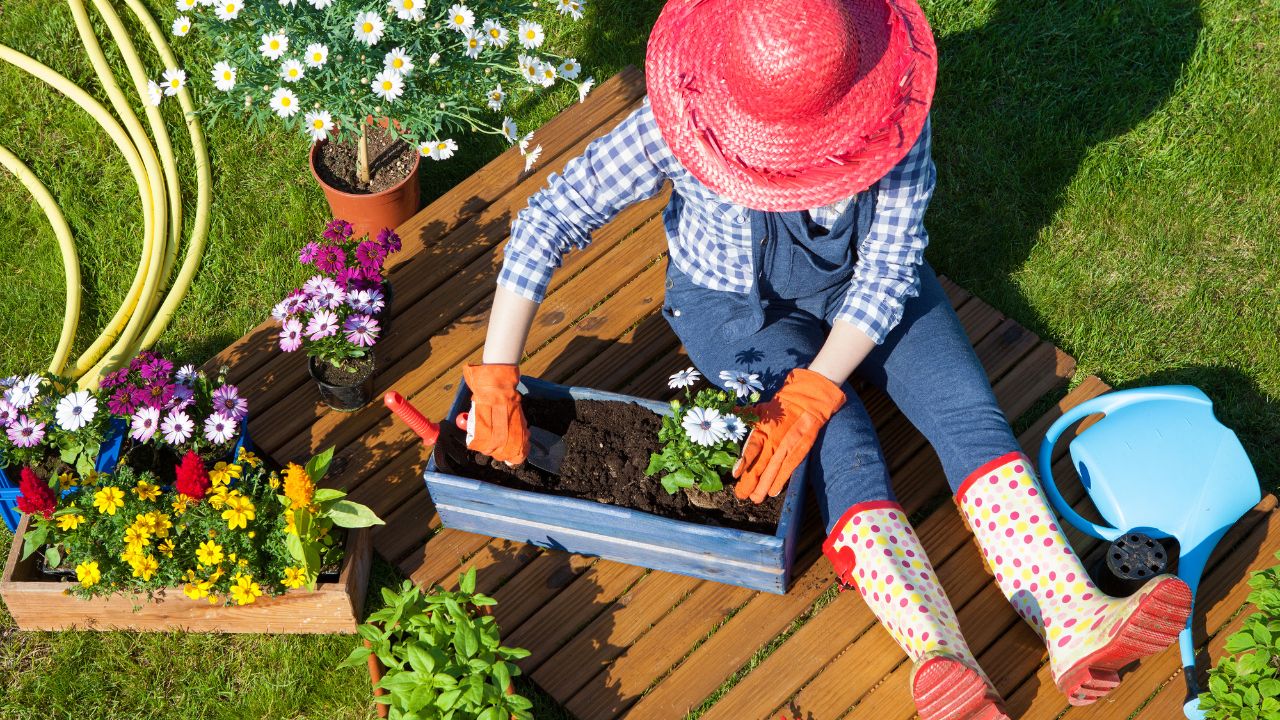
497	425
813	392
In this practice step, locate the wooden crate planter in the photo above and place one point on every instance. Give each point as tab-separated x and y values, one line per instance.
749	559
39	603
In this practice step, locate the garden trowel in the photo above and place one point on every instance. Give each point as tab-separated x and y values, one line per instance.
546	449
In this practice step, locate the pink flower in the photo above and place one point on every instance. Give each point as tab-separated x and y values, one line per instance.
25	432
112	379
370	255
145	424
366	301
325	292
361	330
331	259
291	335
156	369
177	427
8	413
338	230
389	240
219	428
309	253
183	396
227	400
322	324
346	276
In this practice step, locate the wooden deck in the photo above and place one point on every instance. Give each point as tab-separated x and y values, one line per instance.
611	640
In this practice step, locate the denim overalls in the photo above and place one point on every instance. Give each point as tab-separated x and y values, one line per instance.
926	364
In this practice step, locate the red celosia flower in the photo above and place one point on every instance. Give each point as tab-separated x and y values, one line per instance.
193	479
37	497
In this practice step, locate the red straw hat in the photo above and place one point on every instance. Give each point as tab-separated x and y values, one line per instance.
790	104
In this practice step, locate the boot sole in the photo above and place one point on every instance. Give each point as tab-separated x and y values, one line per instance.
1153	626
946	689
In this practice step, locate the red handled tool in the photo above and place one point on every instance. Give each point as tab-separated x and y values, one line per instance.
417	422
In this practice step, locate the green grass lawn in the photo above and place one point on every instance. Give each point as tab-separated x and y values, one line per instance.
1108	176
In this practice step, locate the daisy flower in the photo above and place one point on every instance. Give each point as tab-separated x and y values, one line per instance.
361	330
325	291
368	28
183	396
177	427
290	335
274	45
219	428
185	5
23	392
529	69
474	42
284	102
322	325
154	93
366	301
25	432
531	157
442	149
186	374
530	34
742	383
388	85
227	10
174	80
705	426
320	4
434	59
569	69
291	71
181	25
288	3
370	254
509	129
408	9
330	259
224	76
227	401
76	410
461	18
319	124
495	34
144	424
317	54
546	74
585	88
685	378
8	413
398	60
575	9
496	96
735	429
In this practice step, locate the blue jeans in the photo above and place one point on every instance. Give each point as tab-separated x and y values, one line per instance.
926	366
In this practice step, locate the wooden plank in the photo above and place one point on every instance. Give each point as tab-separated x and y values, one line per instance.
535	585
407	528
465	200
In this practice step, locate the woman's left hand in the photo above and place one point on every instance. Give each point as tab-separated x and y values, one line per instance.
788	427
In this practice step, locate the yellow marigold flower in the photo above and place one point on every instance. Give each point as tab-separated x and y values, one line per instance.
215	576
298	486
88	573
246	457
136	538
131	555
209	553
181	504
239	511
145	567
244	590
146	492
66	481
274	481
232	557
166	548
159	523
108	500
145	522
70	522
252	534
289	526
223	473
91	478
197	590
242	563
294	577
218	497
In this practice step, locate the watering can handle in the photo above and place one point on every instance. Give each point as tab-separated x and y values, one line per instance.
1102	405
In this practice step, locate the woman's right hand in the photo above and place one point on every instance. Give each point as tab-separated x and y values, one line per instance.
496	425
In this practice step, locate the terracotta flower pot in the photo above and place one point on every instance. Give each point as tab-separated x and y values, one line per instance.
370	212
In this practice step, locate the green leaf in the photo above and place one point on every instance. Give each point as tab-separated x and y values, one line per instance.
357	658
656	461
1218	686
324	495
1239	642
319	465
467	581
422	696
490	713
347	514
420	659
1270	689
447	699
34	539
84	464
52	557
501	675
720	458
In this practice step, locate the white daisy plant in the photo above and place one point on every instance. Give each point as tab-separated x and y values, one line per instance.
701	438
439	71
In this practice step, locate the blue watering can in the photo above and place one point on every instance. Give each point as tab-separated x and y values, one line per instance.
1159	463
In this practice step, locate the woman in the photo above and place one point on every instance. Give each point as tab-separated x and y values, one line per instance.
795	135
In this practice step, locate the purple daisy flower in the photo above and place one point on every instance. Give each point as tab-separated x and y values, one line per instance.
141	359
296	302
227	401
281	310
325	292
113	379
183	397
157	395
121	402
338	230
370	255
366	301
309	253
322	324
177	427
361	330
331	259
25	432
346	276
187	375
144	424
157	369
219	428
8	413
389	240
291	335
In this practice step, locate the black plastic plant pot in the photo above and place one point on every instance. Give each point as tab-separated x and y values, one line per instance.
1130	562
347	397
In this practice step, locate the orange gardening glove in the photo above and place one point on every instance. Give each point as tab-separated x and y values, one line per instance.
496	424
788	426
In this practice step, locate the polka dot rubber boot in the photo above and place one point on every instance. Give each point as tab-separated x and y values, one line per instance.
874	549
1090	635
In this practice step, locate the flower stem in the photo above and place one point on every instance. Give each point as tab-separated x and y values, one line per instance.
362	157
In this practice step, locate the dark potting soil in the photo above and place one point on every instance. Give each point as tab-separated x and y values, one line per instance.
607	447
352	373
390	161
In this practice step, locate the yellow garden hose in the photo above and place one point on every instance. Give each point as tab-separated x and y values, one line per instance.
204	184
121	139
70	261
123	348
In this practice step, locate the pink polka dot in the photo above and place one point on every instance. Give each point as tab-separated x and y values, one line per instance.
1034	587
911	553
924	636
999	577
1017	562
888	580
1053	575
995	508
902	602
1048	594
994	479
977	502
1070	622
862	573
1014	515
1017	584
1027	539
977	523
876	595
909	587
906	563
1048	542
871	543
1067	599
1086	597
911	632
1071	577
942	642
873	575
1008	532
857	521
1101	609
907	530
1035	569
1035	620
1096	623
999	560
924	609
991	526
1017	468
1034	519
875	528
893	539
1062	642
924	576
1032	492
1053	527
888	552
1013	484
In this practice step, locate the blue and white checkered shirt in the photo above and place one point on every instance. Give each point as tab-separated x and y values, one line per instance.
709	236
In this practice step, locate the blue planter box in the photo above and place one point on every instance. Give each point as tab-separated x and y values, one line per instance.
737	557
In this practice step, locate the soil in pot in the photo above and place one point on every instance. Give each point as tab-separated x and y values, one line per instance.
390	161
607	447
353	371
